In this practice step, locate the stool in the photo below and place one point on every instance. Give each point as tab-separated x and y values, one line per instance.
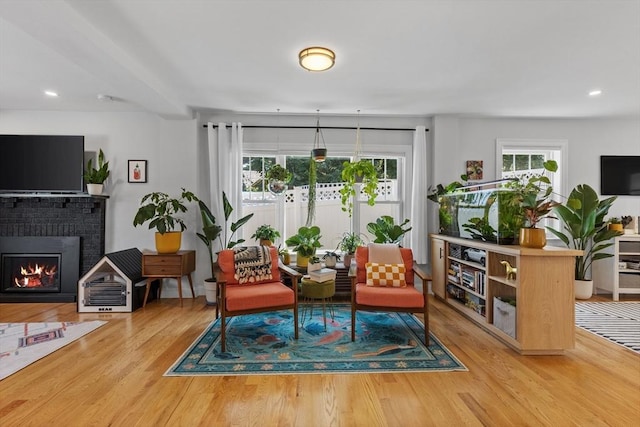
312	291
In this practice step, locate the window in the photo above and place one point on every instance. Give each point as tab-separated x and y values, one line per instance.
288	212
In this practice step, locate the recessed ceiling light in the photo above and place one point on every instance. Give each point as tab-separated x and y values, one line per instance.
50	93
595	92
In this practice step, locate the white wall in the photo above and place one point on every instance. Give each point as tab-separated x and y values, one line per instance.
169	146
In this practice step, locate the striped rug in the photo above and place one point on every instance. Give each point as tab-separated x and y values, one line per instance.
619	322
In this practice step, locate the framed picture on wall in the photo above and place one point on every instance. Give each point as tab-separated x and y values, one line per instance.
137	171
474	170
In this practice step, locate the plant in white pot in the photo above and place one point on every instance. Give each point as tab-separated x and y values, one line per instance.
584	228
95	177
212	231
161	211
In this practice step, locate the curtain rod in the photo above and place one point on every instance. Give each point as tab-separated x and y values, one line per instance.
321	127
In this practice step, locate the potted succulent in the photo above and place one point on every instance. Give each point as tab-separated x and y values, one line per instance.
331	258
314	263
305	243
386	230
277	179
348	245
361	172
95	177
584	229
266	235
615	223
533	192
161	212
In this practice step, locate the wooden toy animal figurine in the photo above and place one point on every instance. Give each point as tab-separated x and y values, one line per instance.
511	271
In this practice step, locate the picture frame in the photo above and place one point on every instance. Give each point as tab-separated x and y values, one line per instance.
474	170
137	171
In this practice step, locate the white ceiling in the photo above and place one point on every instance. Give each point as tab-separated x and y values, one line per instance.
489	58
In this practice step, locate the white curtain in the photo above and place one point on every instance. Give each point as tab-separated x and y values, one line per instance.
418	234
225	169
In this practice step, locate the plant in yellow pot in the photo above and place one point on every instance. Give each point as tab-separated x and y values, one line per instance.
305	244
534	195
160	210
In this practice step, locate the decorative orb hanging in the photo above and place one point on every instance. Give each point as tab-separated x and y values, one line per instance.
277	187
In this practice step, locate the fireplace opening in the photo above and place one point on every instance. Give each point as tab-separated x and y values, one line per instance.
39	268
31	272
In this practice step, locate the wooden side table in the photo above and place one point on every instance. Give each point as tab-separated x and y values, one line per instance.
168	266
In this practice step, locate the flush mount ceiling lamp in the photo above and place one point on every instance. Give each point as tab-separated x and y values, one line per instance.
318	153
317	58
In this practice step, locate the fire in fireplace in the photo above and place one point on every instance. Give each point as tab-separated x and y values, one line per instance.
39	269
31	272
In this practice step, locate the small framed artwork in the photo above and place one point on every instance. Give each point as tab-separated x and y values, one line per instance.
474	170
137	171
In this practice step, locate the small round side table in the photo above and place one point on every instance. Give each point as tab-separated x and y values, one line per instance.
312	291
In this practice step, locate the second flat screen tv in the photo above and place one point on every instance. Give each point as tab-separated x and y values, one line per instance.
620	175
41	163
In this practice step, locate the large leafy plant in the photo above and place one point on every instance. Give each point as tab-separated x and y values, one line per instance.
306	241
212	231
363	172
161	211
386	230
584	227
534	194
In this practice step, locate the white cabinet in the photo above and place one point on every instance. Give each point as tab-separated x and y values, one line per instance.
619	274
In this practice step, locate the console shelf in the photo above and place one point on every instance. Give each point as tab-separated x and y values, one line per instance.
469	276
614	274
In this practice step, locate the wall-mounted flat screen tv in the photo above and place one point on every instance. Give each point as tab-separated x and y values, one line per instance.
620	175
41	163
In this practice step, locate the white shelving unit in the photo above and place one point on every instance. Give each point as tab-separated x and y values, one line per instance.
614	274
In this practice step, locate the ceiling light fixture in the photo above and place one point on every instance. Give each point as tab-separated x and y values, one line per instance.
50	93
317	58
595	92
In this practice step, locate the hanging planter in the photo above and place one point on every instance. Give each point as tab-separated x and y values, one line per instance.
277	179
361	173
319	154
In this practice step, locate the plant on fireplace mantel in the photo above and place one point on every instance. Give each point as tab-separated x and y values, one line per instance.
161	211
95	177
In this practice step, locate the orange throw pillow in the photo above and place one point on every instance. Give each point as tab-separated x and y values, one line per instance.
388	275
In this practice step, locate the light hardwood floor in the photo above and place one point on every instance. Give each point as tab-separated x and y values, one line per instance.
113	377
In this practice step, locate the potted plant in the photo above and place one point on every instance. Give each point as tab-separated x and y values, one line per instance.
359	172
331	258
284	254
615	223
161	211
314	263
348	245
305	243
95	177
386	230
277	179
266	235
584	229
533	192
212	231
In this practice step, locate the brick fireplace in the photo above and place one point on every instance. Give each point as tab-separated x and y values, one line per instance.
64	235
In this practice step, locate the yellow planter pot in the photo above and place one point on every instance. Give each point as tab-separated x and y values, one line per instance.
302	261
169	242
616	227
533	238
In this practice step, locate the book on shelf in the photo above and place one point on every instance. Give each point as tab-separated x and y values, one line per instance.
322	275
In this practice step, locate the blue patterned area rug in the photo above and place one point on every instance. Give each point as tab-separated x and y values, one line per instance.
263	344
618	322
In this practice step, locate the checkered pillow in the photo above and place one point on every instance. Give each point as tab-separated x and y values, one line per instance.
389	275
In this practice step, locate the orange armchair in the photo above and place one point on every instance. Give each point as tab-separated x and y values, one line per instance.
381	298
260	293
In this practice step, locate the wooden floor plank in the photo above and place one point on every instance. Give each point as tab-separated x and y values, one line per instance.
113	376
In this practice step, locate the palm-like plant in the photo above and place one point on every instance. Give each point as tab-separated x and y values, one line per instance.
584	227
386	230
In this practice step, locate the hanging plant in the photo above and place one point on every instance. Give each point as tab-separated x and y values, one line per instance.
311	203
361	171
277	179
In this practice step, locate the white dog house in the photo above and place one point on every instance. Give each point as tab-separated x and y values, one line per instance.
114	284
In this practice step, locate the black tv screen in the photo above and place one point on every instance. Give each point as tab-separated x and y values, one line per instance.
620	175
41	163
